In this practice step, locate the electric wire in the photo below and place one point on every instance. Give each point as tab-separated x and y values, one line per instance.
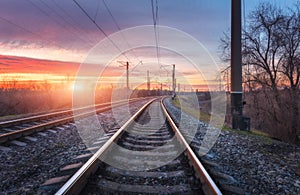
72	18
99	28
119	28
155	18
20	27
54	20
67	22
31	32
97	10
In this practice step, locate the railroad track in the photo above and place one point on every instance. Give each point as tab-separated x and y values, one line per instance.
14	129
138	167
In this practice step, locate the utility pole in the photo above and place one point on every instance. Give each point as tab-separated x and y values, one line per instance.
127	71
127	75
236	65
173	82
148	81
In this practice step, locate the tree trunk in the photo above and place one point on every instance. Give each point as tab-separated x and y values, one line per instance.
295	128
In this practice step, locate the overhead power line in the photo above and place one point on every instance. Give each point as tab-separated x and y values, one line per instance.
156	32
30	32
78	25
67	22
154	12
99	28
111	15
20	27
97	10
118	27
54	20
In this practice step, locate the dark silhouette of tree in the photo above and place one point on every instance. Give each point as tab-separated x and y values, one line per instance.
271	61
289	34
261	48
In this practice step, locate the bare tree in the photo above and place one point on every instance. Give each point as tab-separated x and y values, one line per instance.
289	34
262	45
271	53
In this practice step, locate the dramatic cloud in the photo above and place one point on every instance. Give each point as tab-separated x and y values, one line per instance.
60	32
62	24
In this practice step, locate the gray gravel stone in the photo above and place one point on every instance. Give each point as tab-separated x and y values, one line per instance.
256	164
24	169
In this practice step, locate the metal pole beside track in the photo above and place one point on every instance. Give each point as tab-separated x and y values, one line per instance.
236	65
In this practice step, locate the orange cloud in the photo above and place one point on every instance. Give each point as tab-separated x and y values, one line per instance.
14	64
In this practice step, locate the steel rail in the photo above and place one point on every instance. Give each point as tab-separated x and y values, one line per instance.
53	114
41	127
76	183
208	185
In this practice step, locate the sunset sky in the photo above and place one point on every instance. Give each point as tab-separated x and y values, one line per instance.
49	39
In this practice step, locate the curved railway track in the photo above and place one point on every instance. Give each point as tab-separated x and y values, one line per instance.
14	129
141	171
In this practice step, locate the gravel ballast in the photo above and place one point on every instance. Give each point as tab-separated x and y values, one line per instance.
241	163
24	169
244	163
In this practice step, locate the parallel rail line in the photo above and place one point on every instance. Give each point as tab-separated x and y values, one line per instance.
25	131
202	182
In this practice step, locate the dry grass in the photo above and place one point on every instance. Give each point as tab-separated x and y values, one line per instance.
20	103
274	114
203	116
206	117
